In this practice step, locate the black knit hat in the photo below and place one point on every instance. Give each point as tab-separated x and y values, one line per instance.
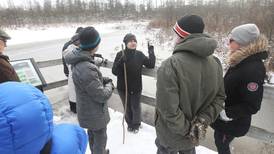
129	37
89	38
74	38
189	24
79	29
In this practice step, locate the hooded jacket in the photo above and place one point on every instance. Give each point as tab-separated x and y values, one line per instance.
91	93
244	87
189	86
26	124
7	72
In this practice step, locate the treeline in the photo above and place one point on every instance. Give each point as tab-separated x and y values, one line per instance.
220	15
67	11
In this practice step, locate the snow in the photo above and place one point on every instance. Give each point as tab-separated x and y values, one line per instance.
140	143
28	35
112	35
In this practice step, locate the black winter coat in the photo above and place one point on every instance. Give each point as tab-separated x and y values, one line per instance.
66	70
244	90
134	60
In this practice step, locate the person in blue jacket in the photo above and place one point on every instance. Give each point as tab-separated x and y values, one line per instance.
26	124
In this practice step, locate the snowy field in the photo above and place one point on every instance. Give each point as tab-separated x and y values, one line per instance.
112	35
141	143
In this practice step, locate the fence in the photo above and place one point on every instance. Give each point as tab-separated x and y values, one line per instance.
254	132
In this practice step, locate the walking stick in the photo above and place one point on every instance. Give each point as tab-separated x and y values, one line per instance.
126	95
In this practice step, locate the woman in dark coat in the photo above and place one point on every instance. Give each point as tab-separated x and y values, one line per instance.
243	85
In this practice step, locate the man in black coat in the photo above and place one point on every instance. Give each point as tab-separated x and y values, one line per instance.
67	71
134	61
243	85
71	41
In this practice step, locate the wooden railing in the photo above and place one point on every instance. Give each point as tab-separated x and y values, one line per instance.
254	132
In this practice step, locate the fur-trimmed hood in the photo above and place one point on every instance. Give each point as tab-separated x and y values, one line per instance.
260	45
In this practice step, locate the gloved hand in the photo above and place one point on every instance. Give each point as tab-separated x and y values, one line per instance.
112	85
106	80
198	130
105	61
224	117
150	48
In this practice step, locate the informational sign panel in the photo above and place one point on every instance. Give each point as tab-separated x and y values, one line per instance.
28	72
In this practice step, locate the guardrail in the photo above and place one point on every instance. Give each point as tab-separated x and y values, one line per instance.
254	132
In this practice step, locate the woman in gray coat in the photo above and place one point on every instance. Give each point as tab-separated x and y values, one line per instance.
92	90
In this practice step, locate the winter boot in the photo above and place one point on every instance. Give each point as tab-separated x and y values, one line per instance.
135	131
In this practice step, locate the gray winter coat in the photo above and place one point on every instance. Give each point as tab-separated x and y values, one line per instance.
91	93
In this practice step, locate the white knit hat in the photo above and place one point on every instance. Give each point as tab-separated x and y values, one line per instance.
245	34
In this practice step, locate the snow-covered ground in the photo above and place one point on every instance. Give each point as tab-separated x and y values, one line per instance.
112	35
38	34
140	143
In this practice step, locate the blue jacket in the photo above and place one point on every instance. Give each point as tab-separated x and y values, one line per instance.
26	123
68	139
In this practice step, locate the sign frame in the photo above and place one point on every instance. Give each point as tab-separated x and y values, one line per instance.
30	67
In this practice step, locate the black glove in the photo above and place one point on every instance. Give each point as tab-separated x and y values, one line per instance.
105	61
198	130
111	83
106	80
150	48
